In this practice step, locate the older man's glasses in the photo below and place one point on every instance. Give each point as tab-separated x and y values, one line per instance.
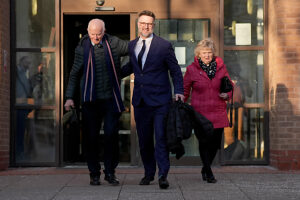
146	24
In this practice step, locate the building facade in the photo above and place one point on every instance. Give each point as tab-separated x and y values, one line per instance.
258	40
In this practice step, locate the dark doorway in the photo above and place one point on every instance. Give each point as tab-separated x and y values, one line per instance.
75	27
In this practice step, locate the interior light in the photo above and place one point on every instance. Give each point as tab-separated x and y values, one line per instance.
250	7
233	23
34	7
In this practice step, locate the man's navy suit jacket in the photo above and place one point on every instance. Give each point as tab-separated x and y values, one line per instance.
152	84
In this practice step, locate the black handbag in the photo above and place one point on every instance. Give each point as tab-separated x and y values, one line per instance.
226	85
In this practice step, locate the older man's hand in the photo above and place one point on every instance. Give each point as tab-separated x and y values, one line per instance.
69	103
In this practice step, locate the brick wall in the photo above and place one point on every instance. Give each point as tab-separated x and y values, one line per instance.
284	83
4	83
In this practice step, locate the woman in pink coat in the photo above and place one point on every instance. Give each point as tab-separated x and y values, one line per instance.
203	80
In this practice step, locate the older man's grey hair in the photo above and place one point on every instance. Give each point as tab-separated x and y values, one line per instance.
96	22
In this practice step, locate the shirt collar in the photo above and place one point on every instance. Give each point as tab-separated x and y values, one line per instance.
147	39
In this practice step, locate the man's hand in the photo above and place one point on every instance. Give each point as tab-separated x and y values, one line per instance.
69	103
179	96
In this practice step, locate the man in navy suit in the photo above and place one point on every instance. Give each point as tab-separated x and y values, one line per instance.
151	60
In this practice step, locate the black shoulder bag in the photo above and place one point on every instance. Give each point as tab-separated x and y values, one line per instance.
226	86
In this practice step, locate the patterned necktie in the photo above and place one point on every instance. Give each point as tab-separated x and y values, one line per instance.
141	55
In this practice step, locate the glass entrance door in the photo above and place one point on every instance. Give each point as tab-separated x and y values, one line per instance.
75	27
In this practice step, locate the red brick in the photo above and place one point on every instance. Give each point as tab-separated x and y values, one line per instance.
4	86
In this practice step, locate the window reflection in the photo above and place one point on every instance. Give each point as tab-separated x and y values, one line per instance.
35	126
244	11
35	136
245	140
35	19
35	76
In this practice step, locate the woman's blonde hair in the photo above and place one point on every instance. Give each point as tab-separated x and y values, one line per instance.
205	43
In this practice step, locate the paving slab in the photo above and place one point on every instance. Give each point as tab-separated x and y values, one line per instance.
151	195
234	183
5	181
89	193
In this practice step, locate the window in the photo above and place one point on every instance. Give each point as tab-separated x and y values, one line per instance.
244	53
34	129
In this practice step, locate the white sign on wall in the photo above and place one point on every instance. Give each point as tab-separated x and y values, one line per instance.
243	34
180	55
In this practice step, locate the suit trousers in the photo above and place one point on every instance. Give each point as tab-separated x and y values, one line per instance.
93	113
150	122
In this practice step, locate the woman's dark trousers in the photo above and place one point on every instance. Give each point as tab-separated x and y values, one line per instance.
208	147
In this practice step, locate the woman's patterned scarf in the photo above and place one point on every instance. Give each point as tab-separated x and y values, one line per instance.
210	69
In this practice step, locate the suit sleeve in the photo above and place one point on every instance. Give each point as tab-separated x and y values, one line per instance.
126	70
175	70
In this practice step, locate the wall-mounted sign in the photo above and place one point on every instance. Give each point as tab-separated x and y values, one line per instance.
243	34
180	55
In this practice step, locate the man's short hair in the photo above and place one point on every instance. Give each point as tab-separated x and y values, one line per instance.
147	13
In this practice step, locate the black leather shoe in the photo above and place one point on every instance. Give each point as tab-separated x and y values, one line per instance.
111	179
146	180
94	180
163	182
211	179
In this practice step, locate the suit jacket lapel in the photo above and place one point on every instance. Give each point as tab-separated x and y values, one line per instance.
132	50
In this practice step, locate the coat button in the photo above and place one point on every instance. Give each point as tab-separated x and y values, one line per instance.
142	85
142	74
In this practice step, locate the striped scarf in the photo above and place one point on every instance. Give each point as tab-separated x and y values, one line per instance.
89	93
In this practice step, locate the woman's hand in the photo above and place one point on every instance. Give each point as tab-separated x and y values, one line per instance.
224	96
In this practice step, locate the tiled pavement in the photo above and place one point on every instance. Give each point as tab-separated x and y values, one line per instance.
234	183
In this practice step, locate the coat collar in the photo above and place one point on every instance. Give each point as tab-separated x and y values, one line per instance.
219	61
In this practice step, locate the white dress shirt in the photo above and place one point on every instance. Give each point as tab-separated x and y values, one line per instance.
139	46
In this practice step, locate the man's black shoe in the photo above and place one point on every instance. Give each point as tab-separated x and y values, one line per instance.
94	180
146	180
112	179
211	179
163	182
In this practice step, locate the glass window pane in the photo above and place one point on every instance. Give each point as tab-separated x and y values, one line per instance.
183	35
35	135
168	29
201	29
35	19
241	12
185	30
246	68
245	140
35	79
